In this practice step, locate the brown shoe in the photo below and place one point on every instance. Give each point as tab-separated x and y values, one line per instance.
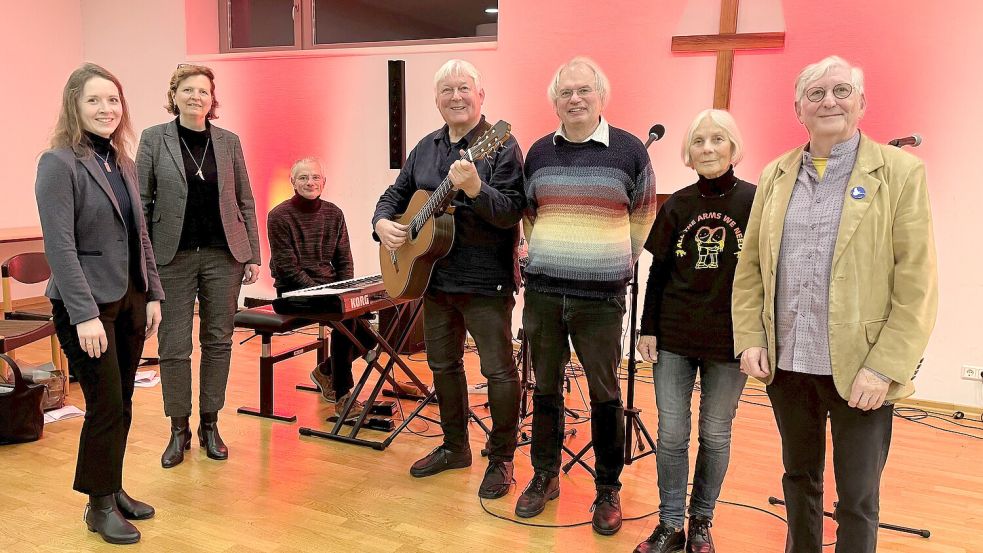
540	489
607	512
497	481
324	383
355	411
439	460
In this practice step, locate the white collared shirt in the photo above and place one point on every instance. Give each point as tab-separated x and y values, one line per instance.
601	134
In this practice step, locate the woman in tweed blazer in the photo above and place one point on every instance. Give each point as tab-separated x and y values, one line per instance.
196	195
104	290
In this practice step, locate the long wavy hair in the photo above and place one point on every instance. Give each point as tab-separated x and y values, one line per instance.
69	132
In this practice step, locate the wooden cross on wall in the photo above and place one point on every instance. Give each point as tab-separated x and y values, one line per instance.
725	44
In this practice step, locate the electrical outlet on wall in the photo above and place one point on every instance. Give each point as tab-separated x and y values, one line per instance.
971	372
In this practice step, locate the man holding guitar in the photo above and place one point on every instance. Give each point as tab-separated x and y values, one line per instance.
471	289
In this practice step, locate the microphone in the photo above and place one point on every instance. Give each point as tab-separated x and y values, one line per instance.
658	131
914	141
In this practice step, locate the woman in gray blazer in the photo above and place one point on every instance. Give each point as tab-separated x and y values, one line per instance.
104	288
196	195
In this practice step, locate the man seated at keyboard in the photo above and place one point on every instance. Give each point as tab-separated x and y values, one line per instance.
309	246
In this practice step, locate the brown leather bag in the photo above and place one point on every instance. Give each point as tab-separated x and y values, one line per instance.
21	416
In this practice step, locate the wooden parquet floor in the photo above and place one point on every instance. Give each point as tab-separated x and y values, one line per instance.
280	492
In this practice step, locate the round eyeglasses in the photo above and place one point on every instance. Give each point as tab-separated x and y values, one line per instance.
840	91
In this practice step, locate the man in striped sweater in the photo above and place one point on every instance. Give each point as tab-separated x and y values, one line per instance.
591	203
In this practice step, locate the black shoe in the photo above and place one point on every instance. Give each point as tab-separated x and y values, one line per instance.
210	439
497	481
439	460
102	515
699	540
607	512
665	539
180	441
131	508
533	500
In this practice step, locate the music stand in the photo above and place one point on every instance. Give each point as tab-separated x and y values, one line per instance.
633	415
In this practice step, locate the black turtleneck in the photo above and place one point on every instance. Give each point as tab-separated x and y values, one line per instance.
710	188
695	243
202	216
108	161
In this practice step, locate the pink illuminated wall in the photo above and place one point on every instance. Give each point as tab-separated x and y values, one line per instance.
921	60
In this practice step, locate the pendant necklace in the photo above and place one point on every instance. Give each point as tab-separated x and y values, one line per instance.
105	160
192	156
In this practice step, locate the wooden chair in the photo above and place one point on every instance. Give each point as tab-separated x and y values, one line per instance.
27	325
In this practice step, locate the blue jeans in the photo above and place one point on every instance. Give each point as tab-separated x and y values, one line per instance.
721	383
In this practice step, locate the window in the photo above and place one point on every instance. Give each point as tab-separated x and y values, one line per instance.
259	25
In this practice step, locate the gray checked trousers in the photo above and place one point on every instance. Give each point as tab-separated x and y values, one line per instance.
214	277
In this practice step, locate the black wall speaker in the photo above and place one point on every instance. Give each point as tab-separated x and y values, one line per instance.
397	113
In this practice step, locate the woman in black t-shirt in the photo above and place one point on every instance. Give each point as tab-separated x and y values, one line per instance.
686	328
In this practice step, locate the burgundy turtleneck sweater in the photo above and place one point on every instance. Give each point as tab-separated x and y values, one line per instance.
308	244
695	243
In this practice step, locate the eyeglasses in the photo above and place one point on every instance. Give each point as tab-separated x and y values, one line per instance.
304	178
840	91
583	91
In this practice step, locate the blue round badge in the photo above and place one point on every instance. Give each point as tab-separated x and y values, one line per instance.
858	192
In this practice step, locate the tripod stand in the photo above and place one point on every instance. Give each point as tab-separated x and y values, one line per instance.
528	386
633	415
917	531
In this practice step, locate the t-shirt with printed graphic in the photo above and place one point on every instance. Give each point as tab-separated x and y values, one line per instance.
695	242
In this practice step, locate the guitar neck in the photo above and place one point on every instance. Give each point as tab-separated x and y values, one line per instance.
437	202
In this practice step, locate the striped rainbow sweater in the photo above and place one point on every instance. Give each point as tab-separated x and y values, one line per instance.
590	211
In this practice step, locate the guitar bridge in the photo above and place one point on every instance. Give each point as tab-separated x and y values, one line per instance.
392	256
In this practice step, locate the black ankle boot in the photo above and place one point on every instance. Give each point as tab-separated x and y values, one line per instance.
180	441
210	439
132	509
102	515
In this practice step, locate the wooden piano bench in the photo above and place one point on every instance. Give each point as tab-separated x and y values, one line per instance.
265	322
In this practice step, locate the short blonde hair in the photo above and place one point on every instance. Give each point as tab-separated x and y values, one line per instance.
601	83
811	73
726	122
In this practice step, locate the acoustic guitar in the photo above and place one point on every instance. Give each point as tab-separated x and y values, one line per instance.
430	221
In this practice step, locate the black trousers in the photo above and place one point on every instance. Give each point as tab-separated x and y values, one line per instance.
447	320
343	353
107	384
861	440
551	322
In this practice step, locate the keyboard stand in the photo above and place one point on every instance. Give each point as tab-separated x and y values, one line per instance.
391	345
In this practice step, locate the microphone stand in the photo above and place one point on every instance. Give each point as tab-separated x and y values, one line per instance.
633	415
908	530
